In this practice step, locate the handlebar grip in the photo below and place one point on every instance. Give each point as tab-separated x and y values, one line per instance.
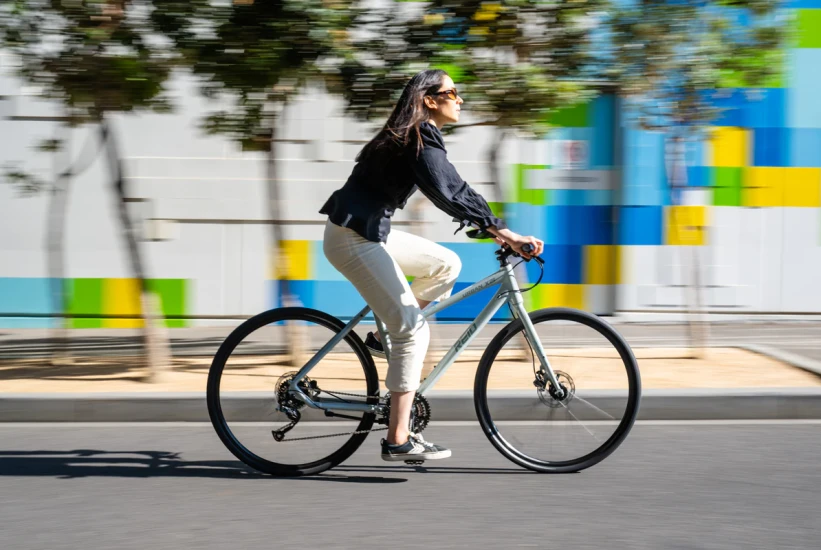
528	248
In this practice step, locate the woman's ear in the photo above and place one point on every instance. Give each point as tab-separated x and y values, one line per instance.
430	103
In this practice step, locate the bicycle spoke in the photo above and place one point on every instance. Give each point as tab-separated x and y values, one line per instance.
592	406
251	401
580	422
588	358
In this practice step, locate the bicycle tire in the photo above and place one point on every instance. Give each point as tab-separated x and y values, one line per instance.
215	407
582	462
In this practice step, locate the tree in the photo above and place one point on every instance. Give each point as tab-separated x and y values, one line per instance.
520	61
670	60
64	170
96	58
255	56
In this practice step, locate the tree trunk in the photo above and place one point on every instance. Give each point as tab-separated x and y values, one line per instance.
697	328
154	331
55	254
296	335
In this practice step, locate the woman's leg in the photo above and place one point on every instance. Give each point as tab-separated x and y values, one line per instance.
383	285
399	422
434	267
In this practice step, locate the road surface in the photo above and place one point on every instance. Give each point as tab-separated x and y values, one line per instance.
671	486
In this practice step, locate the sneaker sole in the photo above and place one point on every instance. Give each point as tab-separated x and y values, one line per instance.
375	353
403	458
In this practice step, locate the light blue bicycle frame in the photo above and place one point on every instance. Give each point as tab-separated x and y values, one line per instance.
508	292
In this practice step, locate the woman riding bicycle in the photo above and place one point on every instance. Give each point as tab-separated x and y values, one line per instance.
408	153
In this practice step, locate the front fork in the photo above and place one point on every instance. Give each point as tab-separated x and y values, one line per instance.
520	312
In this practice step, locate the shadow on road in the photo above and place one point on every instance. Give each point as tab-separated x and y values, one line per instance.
433	469
147	464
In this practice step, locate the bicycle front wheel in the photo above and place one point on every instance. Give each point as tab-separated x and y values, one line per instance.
249	401
529	421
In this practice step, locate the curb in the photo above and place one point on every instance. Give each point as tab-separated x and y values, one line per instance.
798	361
722	404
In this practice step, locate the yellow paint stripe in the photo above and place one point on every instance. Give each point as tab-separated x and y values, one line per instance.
121	297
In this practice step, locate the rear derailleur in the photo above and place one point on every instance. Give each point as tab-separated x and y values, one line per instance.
290	405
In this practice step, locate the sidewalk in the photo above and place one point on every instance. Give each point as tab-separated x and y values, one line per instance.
753	371
591	368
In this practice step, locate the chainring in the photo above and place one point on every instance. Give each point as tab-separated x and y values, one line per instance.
420	413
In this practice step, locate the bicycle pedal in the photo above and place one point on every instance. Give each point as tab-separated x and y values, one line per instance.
414	462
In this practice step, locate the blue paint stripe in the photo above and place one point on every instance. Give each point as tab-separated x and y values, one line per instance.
323	270
26	295
27	322
640	225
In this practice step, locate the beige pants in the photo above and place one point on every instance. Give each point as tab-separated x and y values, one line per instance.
378	271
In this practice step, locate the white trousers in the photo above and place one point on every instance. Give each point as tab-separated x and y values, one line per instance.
378	271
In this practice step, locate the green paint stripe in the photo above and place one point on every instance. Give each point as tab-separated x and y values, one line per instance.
725	176
576	116
172	294
727	196
85	296
809	28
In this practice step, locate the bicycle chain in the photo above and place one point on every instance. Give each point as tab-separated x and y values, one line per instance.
355	432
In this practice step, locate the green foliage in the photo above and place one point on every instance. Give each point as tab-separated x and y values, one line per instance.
668	57
93	56
514	62
50	145
254	56
26	184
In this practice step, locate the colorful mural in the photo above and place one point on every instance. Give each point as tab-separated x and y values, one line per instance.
595	189
764	152
92	303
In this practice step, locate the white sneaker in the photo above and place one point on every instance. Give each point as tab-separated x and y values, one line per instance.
415	449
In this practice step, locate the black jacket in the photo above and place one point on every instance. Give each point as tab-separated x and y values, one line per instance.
377	187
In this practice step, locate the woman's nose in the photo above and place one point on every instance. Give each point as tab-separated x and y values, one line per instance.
459	100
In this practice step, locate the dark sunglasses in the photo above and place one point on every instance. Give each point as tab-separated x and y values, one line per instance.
452	94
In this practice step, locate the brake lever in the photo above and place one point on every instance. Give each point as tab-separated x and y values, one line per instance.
528	248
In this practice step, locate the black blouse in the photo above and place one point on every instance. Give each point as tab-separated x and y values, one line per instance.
377	187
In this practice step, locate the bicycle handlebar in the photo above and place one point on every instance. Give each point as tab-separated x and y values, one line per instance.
529	249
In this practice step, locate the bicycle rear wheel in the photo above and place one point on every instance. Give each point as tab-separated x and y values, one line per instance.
528	421
248	384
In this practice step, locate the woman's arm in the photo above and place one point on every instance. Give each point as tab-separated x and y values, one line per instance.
438	180
517	241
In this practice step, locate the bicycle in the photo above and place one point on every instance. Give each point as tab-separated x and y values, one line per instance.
553	399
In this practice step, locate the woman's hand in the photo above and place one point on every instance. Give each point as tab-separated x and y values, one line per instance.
516	241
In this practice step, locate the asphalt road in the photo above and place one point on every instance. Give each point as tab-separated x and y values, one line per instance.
671	486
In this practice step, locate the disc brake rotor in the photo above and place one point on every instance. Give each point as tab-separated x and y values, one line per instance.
547	392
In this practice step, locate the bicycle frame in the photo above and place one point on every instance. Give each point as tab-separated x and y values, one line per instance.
508	292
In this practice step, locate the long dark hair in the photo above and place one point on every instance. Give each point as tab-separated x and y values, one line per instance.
409	113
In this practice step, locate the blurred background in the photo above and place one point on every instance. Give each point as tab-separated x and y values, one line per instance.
164	162
162	167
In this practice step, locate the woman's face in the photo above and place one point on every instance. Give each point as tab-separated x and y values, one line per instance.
444	106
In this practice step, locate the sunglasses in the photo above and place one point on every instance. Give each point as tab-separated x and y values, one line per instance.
452	94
